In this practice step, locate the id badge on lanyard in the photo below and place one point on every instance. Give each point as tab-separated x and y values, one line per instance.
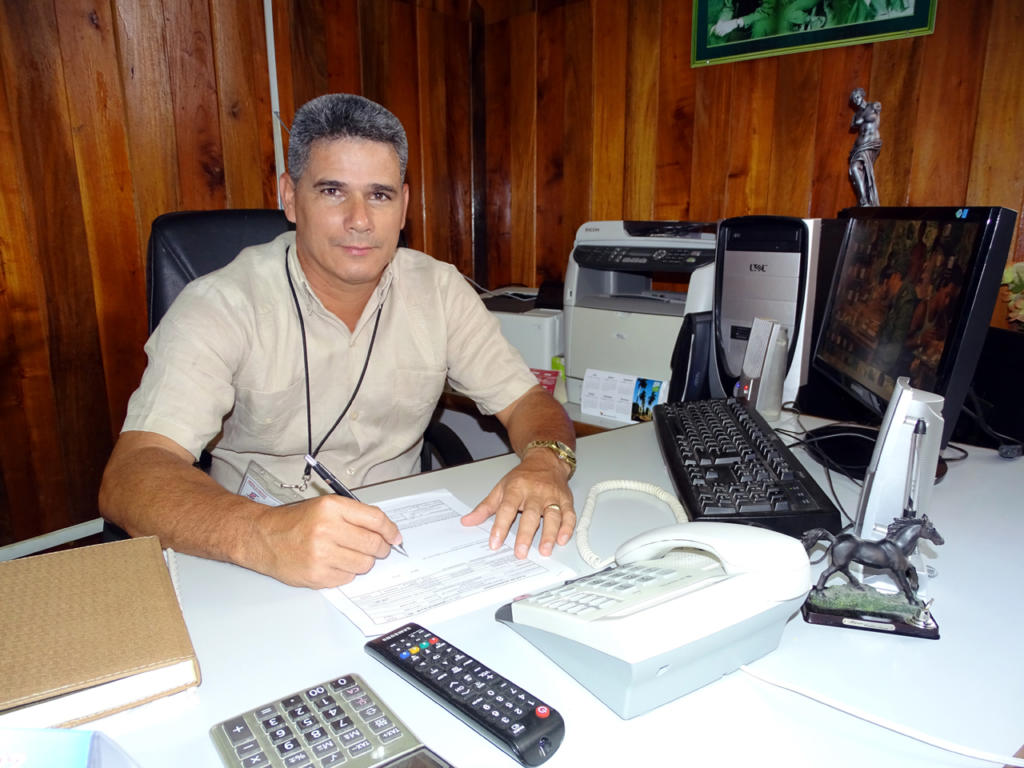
260	485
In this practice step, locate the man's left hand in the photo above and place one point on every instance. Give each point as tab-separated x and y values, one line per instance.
538	491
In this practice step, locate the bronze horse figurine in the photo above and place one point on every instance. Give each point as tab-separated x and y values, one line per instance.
890	554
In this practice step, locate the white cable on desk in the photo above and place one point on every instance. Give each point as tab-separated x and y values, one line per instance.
888	725
583	526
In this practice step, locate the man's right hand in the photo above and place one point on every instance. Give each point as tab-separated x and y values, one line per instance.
151	488
321	542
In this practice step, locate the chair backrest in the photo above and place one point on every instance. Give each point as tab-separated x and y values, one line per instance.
186	244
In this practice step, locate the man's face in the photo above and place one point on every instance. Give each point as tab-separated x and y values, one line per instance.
348	208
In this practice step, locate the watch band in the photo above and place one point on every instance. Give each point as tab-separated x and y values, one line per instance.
563	451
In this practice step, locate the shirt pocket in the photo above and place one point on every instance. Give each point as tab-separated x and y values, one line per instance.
415	394
272	422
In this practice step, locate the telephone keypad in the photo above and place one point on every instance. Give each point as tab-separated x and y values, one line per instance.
618	588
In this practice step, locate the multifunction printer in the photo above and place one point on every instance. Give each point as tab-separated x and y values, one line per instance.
614	319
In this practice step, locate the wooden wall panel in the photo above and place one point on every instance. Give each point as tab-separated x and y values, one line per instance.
523	108
88	44
111	115
401	93
444	126
305	25
149	111
997	160
674	147
751	128
712	118
552	99
899	97
564	145
770	135
28	409
577	138
193	79
953	62
344	66
641	107
498	151
793	135
243	91
611	35
54	219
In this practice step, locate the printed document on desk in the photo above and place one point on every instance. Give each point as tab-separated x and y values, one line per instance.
450	569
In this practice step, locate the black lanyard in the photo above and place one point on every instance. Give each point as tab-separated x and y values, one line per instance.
305	365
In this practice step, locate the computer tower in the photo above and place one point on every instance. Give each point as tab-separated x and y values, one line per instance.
765	266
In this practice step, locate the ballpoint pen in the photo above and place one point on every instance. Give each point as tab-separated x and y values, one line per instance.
339	488
914	470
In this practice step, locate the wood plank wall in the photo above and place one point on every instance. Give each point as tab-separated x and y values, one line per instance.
113	112
595	113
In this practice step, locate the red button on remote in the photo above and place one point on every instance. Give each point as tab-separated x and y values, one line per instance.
542	711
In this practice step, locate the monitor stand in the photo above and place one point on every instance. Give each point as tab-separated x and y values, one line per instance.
847	448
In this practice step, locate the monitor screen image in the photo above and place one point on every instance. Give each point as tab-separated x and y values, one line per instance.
912	295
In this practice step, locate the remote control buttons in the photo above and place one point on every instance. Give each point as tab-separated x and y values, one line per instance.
542	711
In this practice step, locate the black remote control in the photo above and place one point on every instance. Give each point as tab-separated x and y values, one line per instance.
513	720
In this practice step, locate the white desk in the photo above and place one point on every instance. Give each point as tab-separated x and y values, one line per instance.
257	639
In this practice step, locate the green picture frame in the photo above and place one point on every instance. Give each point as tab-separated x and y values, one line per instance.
737	30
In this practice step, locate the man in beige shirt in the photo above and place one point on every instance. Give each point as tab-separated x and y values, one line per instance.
330	341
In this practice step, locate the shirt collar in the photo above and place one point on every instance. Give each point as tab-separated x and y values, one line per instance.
312	302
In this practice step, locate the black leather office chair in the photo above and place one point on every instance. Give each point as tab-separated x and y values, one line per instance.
187	244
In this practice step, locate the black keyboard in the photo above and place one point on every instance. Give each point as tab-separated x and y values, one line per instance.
728	465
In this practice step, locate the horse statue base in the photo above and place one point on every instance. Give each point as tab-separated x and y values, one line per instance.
844	606
858	606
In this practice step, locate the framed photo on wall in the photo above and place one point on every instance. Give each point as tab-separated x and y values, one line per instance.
735	30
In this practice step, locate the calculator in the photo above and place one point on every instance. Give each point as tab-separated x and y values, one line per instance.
337	722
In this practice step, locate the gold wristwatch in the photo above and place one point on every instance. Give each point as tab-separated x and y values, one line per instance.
563	451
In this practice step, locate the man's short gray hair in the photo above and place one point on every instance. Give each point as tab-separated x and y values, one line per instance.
343	116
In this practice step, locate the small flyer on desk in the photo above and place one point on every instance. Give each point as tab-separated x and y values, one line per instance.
619	396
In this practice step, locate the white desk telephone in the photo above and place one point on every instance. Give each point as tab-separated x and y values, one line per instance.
682	606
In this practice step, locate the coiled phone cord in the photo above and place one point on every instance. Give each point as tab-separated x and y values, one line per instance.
587	515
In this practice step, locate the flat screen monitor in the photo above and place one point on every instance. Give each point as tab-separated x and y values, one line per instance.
912	295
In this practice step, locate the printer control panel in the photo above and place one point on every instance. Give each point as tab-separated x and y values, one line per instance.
660	259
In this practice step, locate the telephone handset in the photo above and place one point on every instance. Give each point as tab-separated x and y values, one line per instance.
681	606
739	548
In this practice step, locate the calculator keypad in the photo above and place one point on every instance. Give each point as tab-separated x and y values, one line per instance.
339	722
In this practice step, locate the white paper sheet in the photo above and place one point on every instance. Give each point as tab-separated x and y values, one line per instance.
450	569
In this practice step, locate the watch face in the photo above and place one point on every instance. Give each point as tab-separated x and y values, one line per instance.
563	451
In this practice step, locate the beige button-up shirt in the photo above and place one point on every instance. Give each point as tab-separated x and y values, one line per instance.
225	368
